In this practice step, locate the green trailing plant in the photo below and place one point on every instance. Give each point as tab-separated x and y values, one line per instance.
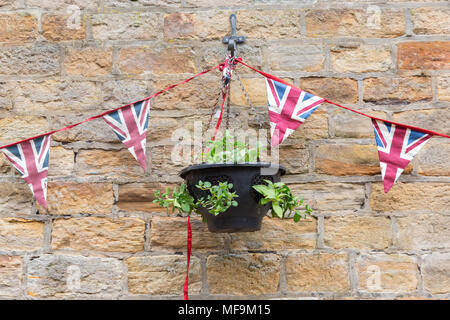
219	198
284	203
229	149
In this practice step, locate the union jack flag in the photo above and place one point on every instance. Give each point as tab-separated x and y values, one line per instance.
130	125
30	158
397	146
289	107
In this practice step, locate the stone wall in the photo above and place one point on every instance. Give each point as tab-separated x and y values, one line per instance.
102	237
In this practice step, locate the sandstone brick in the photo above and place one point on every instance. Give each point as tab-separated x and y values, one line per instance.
317	272
358	232
65	198
158	61
352	125
328	196
62	162
162	128
11	4
360	58
88	62
52	5
443	88
15	198
246	274
306	57
41	59
10	276
68	277
179	25
99	234
423	232
315	128
124	91
61	28
355	23
161	275
381	272
341	90
411	197
126	26
276	234
424	55
18	28
140	196
111	164
6	96
432	119
255	89
397	90
5	164
125	4
432	160
294	157
430	20
435	273
18	234
55	97
171	233
341	160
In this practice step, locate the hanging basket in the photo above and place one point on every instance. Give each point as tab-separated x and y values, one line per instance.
248	215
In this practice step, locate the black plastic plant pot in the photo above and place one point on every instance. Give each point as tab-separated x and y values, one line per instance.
248	215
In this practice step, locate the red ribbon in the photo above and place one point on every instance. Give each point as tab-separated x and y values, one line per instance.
189	248
267	75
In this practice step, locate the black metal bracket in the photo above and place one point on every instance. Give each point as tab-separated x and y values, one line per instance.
233	40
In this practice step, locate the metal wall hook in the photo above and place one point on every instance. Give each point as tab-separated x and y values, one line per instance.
233	40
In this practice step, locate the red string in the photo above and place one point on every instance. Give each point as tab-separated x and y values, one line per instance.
109	111
189	248
267	75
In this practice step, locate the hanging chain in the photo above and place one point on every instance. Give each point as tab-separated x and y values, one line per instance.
227	123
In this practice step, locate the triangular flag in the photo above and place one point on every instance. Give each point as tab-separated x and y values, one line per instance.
289	107
397	146
30	158
130	125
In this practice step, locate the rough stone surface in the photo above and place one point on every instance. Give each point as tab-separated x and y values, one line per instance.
68	277
99	234
360	58
15	198
431	161
162	275
424	55
307	57
358	232
10	276
247	274
62	28
317	272
17	234
430	20
18	28
432	119
436	272
88	62
341	90
397	90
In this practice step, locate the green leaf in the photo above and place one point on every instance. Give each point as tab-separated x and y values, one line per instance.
277	209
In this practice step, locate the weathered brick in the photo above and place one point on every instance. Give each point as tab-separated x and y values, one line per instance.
340	159
62	162
62	28
124	91
158	61
88	62
424	55
41	59
341	90
432	119
360	58
295	157
411	197
5	164
255	89
111	164
15	198
18	28
179	25
10	276
423	231
430	20
20	234
326	196
52	5
99	234
355	23
276	234
171	233
68	277
317	272
246	274
126	26
306	57
381	272
435	273
140	196
161	275
352	125
65	198
364	232
315	128
433	158
397	90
